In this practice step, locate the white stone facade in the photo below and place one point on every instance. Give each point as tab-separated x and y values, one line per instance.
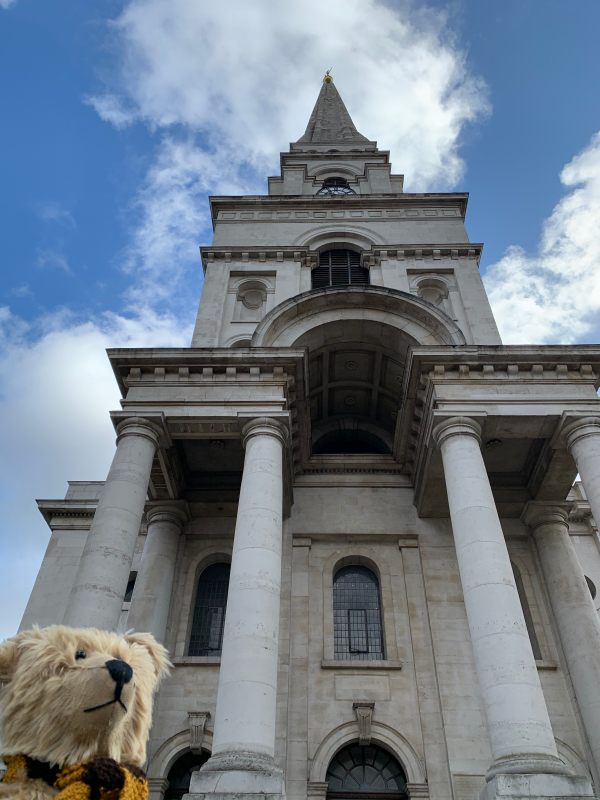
381	426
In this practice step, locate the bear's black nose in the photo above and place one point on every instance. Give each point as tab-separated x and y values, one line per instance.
120	671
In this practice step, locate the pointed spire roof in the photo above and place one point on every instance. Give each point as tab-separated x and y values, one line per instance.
330	122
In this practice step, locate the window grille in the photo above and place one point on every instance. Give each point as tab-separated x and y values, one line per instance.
339	268
206	638
358	633
371	771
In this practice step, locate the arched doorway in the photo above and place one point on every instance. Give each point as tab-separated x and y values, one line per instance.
180	774
360	771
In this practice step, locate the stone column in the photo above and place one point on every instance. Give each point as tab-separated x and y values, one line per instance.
243	750
574	612
582	437
151	599
517	718
97	595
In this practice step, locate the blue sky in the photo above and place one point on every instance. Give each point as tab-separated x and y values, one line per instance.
119	118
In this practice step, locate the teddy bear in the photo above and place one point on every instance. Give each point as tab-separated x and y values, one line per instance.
75	713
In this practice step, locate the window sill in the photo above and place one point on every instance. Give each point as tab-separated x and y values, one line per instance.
196	661
357	664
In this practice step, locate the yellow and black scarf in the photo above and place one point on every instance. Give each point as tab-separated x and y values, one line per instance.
98	779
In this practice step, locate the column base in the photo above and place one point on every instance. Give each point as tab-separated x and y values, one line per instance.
527	764
537	786
229	776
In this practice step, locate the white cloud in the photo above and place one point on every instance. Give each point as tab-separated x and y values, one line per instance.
110	109
57	389
554	294
5	4
245	77
172	212
224	87
54	212
49	258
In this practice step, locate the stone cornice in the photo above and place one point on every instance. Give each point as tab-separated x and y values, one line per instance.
200	365
308	258
295	153
76	514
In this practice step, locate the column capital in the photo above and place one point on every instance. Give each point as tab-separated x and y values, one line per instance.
538	514
580	428
138	426
175	512
456	426
265	426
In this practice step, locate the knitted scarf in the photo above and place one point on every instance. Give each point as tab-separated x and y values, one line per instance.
98	779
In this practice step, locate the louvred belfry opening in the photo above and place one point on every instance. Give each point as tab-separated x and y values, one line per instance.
339	268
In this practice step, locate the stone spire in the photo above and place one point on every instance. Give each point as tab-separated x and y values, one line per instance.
330	122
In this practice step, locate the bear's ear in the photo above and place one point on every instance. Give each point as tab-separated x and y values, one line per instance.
158	653
8	658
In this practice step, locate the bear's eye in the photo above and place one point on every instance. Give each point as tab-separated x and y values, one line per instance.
80	654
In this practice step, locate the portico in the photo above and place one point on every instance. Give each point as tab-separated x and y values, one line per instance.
343	510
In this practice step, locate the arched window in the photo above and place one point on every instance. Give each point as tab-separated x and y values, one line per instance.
339	268
357	629
367	771
180	774
535	645
334	187
206	637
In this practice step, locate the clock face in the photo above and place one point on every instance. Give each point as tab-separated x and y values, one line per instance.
333	187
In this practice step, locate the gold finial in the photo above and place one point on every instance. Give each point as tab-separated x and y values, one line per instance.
328	78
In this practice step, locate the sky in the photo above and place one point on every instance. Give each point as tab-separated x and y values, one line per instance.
119	118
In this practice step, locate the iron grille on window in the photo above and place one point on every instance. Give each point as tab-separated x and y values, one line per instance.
206	638
338	268
357	626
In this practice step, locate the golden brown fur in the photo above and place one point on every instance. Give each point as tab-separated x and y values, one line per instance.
47	689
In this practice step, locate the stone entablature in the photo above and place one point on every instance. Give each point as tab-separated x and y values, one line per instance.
508	389
373	213
395	205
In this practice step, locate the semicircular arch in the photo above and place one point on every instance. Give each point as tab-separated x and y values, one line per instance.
410	316
381	734
170	750
334	168
320	237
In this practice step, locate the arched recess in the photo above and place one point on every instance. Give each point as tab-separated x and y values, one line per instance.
187	599
399	311
170	750
359	554
357	339
381	734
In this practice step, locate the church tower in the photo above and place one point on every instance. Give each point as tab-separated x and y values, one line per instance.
347	510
